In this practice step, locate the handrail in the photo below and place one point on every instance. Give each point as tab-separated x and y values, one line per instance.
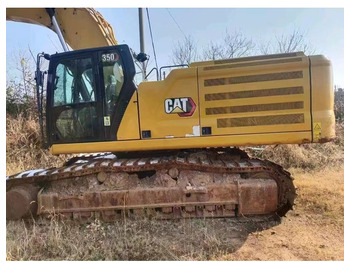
160	70
154	68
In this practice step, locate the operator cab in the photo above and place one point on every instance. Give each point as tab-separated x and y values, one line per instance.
87	94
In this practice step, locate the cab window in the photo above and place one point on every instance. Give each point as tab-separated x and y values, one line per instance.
113	80
73	82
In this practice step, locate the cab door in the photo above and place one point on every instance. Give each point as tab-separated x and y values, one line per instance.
74	112
88	92
116	71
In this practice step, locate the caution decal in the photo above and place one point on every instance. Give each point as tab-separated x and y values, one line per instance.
317	130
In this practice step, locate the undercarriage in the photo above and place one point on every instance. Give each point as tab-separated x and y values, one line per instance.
186	184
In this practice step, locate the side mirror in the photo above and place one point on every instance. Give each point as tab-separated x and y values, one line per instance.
39	77
47	56
141	57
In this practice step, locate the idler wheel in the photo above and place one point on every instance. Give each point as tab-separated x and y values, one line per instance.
21	201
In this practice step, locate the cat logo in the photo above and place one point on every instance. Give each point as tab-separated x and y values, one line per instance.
183	106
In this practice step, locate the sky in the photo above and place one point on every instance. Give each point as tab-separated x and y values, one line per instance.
323	29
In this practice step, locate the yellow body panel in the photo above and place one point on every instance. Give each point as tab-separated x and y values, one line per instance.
152	96
278	99
180	143
129	126
250	98
322	99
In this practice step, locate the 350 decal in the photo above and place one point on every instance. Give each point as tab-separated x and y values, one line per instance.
112	57
183	106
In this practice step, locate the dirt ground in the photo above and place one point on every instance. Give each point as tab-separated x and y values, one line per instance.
314	230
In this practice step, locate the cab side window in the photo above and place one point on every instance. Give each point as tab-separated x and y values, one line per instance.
73	82
113	80
63	86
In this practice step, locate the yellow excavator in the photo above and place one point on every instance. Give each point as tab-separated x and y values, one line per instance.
173	143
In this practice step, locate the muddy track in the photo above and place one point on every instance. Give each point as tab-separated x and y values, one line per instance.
200	184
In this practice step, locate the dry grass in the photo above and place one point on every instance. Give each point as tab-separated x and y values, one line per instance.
23	146
139	239
307	156
313	231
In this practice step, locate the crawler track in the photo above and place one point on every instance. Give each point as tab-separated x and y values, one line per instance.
179	185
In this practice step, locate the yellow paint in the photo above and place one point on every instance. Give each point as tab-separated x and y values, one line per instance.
183	143
322	96
129	126
211	120
81	27
152	96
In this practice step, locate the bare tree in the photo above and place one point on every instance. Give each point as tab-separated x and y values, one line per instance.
293	42
233	45
20	84
265	48
237	45
213	51
185	52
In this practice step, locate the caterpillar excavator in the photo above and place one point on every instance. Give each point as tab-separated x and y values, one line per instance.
173	144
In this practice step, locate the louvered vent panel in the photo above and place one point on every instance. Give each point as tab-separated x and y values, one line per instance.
254	108
261	120
255	93
253	78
